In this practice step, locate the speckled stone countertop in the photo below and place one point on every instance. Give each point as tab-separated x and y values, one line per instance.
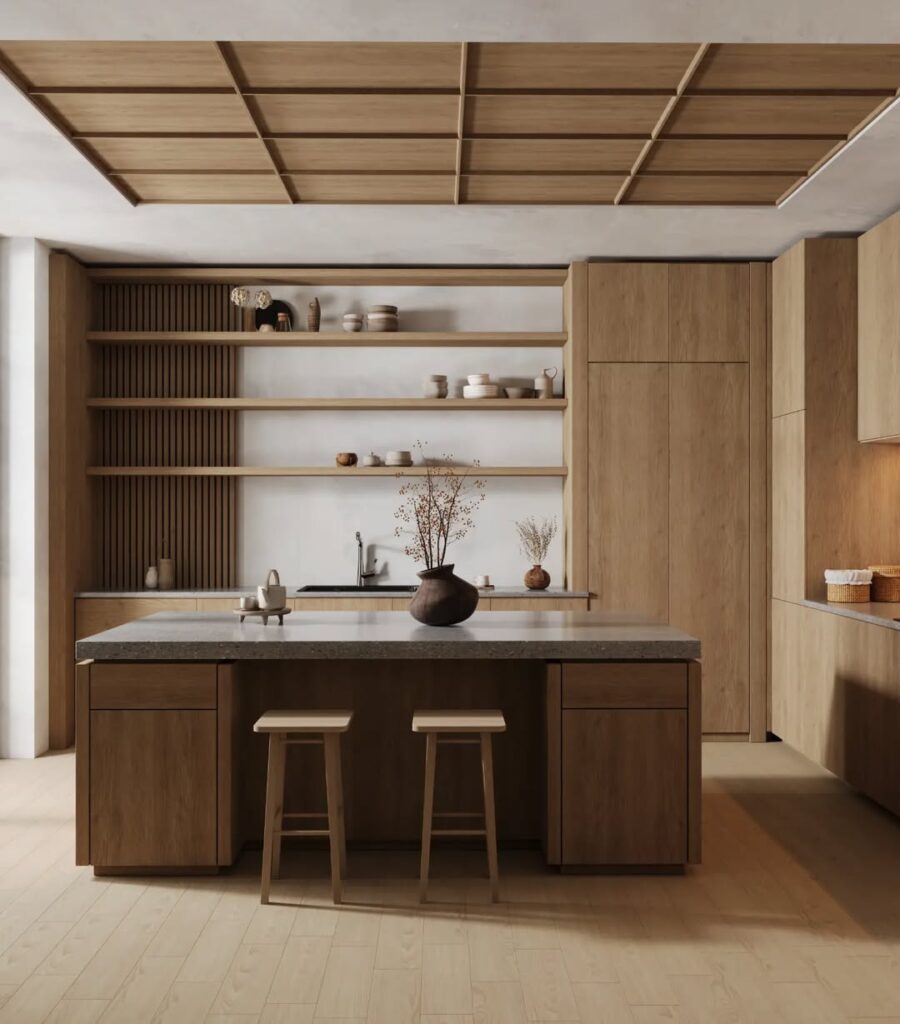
879	613
211	636
295	592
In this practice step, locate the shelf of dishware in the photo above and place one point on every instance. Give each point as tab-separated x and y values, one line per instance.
302	404
321	471
336	339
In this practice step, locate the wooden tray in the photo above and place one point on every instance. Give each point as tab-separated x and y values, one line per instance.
263	613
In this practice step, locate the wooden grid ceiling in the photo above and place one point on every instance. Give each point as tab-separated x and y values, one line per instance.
445	123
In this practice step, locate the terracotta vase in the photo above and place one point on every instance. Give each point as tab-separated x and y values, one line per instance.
537	578
443	598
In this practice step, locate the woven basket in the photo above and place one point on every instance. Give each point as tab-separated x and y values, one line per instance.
885	582
848	593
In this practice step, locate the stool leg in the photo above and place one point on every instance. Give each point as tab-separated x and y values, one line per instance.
274	807
335	810
427	812
490	825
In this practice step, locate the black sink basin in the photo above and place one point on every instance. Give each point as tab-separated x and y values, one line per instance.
377	588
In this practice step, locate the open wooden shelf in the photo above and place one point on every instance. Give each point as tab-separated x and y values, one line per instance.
288	404
336	339
230	471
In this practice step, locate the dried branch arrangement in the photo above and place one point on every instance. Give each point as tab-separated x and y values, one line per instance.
437	509
535	537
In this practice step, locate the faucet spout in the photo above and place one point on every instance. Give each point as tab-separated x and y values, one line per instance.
359	559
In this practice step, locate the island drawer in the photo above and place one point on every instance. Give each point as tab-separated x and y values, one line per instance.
626	684
119	686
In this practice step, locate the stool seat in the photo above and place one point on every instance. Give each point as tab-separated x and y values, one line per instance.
458	721
303	721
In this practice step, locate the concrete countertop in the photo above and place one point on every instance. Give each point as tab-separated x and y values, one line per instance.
212	636
293	591
879	613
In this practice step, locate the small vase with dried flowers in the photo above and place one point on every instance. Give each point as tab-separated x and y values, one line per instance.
435	511
534	542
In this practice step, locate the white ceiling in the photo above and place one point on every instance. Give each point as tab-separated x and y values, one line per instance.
48	191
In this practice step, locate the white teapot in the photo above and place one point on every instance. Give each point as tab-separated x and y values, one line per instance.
272	595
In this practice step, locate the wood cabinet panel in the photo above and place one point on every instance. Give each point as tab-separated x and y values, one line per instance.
788	331
836	696
134	685
624	787
628	312
709	558
624	685
709	312
95	614
153	786
628	487
879	332
789	507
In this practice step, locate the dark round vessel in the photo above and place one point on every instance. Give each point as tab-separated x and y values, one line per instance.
443	598
537	578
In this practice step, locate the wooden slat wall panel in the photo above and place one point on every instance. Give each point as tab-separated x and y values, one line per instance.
193	517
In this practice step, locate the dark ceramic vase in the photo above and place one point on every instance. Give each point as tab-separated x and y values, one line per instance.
443	598
537	578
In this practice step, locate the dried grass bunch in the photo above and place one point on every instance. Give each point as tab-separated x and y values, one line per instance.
535	537
437	509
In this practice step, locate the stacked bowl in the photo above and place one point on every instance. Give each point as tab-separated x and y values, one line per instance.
435	386
382	318
480	386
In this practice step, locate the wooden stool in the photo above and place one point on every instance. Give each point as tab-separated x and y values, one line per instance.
454	727
282	726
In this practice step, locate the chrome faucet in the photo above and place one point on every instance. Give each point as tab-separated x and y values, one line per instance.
361	572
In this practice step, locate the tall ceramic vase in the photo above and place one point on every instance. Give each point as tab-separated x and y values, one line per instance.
443	598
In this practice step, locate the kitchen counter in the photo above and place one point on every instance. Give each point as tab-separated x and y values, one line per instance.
211	636
295	592
879	613
600	761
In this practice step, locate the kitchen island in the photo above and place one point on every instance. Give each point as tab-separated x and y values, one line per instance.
600	762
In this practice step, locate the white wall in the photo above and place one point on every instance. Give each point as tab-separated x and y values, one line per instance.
24	276
305	527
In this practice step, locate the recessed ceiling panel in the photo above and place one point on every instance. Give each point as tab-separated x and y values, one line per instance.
612	66
446	123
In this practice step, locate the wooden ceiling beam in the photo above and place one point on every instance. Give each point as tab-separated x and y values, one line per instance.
689	72
461	117
231	66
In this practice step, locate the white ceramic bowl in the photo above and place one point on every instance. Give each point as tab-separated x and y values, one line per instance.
479	378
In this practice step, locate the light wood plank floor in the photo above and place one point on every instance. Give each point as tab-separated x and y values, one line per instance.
793	918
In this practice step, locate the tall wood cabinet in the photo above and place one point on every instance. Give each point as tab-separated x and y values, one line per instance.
677	464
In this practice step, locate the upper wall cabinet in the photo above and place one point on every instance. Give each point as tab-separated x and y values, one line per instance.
679	313
709	312
879	333
628	313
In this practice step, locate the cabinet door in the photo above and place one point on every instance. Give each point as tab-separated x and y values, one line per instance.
709	522
628	487
709	308
153	788
624	787
628	312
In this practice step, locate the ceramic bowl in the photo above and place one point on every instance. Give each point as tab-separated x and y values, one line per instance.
352	325
392	310
371	460
479	378
345	458
481	391
518	392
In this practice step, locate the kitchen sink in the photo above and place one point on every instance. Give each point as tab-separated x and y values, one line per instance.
377	588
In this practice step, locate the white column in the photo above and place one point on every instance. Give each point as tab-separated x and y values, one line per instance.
24	497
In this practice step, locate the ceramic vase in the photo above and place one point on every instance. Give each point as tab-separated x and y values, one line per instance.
166	574
537	578
443	598
314	316
151	580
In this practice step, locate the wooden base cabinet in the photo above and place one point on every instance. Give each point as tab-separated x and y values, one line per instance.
152	774
153	771
626	787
